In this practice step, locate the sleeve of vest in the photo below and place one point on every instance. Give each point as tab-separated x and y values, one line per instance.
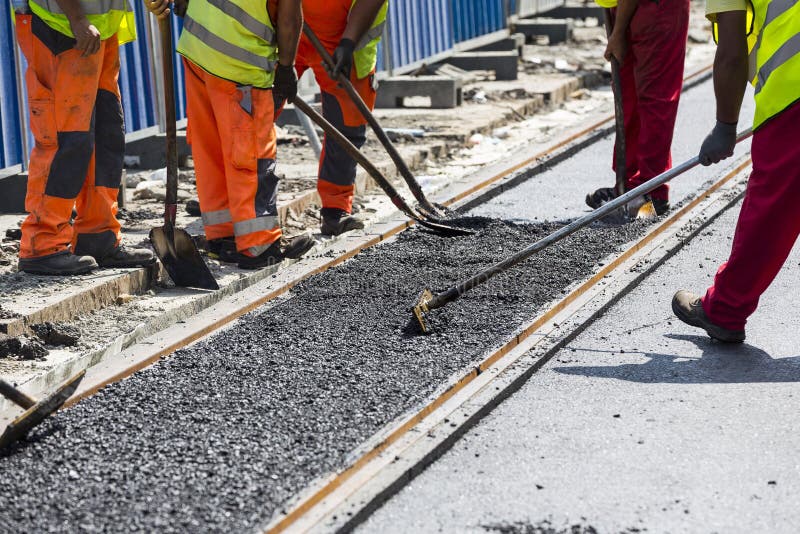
720	6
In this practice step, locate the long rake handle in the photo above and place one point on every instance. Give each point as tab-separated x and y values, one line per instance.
16	396
354	153
376	174
456	291
398	160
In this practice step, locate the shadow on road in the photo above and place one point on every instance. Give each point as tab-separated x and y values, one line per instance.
719	363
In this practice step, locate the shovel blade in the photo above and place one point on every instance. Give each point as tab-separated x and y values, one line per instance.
37	413
180	257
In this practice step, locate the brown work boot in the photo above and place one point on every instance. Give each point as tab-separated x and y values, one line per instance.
62	263
688	308
274	255
337	222
124	257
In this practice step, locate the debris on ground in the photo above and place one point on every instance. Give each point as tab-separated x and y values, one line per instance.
21	348
57	334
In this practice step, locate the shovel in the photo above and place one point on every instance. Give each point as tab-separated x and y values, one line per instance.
35	411
428	300
175	247
330	130
426	206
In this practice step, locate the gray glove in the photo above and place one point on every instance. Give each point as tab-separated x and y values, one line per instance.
719	144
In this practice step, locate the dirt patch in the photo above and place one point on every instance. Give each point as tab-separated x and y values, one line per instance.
21	348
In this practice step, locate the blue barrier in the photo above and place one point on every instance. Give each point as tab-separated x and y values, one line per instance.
418	30
10	142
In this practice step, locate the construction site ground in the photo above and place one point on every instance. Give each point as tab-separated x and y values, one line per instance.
561	89
633	423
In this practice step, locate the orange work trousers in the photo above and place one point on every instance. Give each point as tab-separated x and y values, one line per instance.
337	170
232	134
76	119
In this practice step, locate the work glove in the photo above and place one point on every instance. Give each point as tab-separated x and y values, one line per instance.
285	85
342	59
180	7
719	144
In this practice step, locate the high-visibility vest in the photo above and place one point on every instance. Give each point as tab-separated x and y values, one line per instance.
108	16
365	56
774	57
231	39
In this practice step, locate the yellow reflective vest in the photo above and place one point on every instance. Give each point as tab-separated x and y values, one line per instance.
231	39
774	57
108	16
365	57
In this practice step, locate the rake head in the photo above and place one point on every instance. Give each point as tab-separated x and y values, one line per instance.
420	308
37	413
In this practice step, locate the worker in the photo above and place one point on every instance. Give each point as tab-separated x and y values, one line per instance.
648	40
72	50
239	63
759	41
350	31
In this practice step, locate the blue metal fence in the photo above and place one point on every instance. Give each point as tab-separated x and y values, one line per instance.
10	145
418	30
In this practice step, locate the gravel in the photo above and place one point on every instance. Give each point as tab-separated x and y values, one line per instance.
219	436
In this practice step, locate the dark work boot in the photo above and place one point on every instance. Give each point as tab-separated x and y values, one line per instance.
274	255
62	263
661	206
121	256
337	222
688	308
224	249
601	196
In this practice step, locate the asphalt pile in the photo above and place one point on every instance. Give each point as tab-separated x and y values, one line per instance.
220	436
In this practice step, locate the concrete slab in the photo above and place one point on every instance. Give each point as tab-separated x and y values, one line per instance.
443	92
503	63
556	30
640	423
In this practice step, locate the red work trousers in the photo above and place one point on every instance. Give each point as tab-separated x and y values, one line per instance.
652	78
76	119
768	224
337	170
232	134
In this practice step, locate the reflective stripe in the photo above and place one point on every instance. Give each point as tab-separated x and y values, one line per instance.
245	19
216	217
91	7
255	225
775	9
372	34
224	47
783	54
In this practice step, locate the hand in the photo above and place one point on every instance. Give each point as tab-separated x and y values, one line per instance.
617	47
285	85
719	144
87	37
159	8
342	59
